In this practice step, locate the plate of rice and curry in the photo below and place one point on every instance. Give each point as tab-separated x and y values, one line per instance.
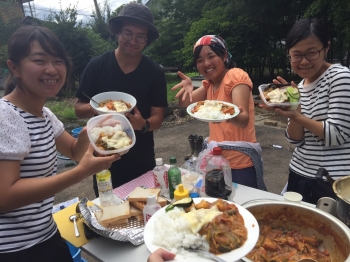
218	226
213	111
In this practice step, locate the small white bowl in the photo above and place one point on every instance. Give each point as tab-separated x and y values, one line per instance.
112	96
293	197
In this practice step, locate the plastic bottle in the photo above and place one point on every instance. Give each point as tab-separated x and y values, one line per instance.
105	189
150	208
218	177
180	192
160	177
174	176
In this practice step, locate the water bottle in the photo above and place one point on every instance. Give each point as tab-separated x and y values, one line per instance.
105	189
160	177
150	208
218	177
174	177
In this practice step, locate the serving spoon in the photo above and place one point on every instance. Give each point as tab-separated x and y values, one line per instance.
91	99
208	254
74	218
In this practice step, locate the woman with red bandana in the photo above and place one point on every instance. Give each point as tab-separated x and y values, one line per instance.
320	127
226	83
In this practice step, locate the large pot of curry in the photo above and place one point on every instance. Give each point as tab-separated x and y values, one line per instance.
291	231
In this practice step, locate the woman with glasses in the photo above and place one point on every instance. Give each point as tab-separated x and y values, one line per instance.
320	127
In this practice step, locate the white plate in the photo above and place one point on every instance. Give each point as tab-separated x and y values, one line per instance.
249	221
189	109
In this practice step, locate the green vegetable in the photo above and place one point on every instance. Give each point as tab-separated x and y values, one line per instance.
185	202
293	94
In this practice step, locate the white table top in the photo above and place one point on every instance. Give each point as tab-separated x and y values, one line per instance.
108	250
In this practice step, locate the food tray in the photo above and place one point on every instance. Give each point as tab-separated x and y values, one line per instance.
283	106
111	120
131	232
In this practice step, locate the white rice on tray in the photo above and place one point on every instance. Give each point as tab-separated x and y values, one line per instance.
108	130
173	232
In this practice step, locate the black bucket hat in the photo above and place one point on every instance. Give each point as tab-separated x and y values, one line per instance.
140	14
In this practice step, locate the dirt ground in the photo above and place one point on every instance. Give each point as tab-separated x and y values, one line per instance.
171	140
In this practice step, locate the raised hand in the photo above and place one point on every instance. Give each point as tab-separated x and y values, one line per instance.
185	85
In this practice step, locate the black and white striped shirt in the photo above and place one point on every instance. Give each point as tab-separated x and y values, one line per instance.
30	140
327	100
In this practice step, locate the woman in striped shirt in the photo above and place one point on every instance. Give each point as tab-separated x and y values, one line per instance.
29	136
320	127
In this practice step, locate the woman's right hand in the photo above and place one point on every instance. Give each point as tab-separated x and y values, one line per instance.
185	85
94	164
281	80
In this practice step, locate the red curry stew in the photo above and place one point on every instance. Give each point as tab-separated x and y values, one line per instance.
276	244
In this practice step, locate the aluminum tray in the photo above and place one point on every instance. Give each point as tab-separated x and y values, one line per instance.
131	232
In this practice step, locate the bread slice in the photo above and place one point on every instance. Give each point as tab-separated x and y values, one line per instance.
111	214
162	201
141	204
116	223
134	211
140	194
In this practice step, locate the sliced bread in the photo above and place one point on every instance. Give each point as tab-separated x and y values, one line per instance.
140	194
111	214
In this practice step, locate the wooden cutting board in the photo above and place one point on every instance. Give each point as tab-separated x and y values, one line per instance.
66	227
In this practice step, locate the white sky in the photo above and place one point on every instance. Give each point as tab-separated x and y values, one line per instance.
85	8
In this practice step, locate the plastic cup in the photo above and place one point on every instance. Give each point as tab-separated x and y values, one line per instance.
292	197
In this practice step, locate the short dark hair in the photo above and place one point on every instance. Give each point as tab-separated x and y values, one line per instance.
305	28
217	50
18	47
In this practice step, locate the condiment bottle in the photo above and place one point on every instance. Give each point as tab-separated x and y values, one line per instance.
150	208
174	176
105	189
180	192
160	177
218	177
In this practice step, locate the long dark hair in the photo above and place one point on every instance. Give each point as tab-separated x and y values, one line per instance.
305	28
18	47
217	50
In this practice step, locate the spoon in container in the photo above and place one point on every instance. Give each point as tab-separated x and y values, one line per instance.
74	218
91	99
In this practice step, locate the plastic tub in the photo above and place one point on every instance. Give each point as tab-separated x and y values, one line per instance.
112	96
75	132
284	106
110	120
75	252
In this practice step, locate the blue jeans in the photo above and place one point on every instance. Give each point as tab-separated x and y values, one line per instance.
245	176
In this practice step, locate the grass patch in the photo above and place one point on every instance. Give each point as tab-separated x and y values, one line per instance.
64	109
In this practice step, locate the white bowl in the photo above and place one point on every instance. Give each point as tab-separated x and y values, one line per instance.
112	96
110	120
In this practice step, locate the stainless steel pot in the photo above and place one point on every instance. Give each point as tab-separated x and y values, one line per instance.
309	220
341	188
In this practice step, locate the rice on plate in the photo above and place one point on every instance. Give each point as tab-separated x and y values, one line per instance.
173	232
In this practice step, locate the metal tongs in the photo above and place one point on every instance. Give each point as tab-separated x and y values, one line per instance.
274	86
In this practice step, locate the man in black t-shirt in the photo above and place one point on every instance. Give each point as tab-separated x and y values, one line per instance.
127	70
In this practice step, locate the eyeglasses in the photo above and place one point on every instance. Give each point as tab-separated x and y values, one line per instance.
309	56
141	39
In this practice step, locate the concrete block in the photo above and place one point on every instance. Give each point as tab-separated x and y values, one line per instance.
270	123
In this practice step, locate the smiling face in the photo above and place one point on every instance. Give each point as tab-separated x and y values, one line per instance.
210	65
310	70
132	48
39	74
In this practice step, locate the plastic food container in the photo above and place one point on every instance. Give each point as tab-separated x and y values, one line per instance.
110	120
284	106
112	96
